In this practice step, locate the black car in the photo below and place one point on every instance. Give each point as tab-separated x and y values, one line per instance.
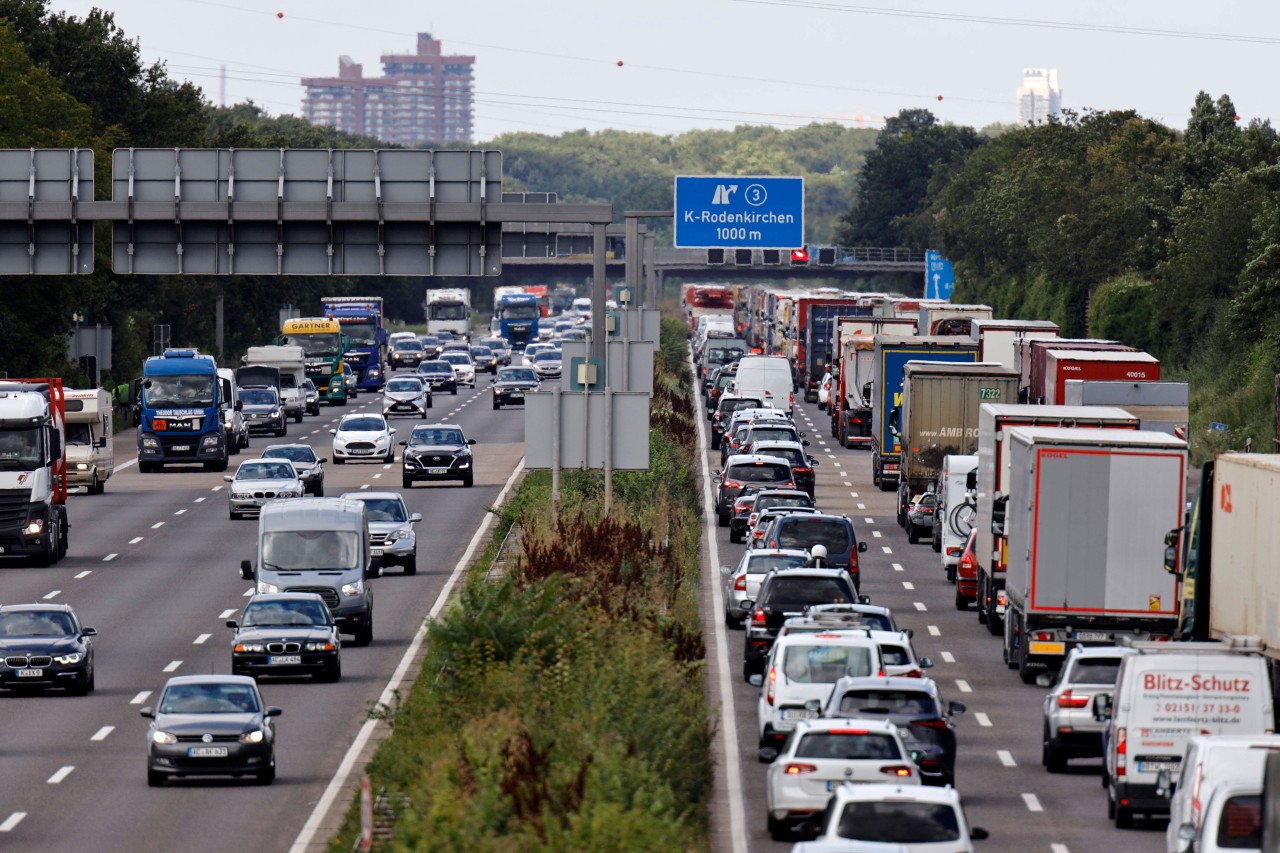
511	384
44	645
785	593
211	725
766	499
484	358
406	353
440	376
802	464
724	412
437	452
739	470
310	467
833	532
288	633
262	409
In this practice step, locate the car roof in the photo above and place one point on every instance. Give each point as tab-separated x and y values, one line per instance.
828	723
270	459
809	571
825	516
752	458
285	596
435	426
790	493
880	792
773	444
887	682
776	552
35	607
367	496
1100	651
284	446
210	678
841	638
354	415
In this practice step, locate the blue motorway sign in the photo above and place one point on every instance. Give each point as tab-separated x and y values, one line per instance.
739	212
939	278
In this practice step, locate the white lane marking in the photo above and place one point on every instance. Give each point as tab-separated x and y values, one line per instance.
53	594
228	613
838	466
919	605
135	540
365	486
248	592
852	494
947	657
861	506
386	467
875	534
157	525
126	464
869	519
172	665
908	585
935	631
314	431
140	698
849	484
84	574
897	567
11	821
181	512
338	784
886	549
1058	848
1033	803
983	720
200	640
1006	758
963	686
198	500
63	772
216	489
376	476
101	734
109	558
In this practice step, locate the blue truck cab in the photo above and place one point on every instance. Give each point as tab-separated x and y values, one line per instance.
180	412
517	315
362	321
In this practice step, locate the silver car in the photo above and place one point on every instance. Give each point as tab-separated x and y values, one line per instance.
1070	731
310	467
391	536
258	481
742	582
463	368
406	395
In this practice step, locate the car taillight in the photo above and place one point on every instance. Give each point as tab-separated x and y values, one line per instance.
790	484
951	552
773	683
1122	749
732	484
802	470
741	583
797	769
773	544
757	534
1066	700
757	617
931	724
751	519
915	673
896	770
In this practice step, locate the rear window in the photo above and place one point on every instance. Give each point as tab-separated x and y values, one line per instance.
795	457
803	533
761	565
911	702
735	403
899	823
894	655
760	473
766	501
1094	671
847	745
772	434
1241	824
825	664
797	593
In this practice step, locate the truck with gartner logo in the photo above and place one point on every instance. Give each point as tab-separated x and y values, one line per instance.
323	343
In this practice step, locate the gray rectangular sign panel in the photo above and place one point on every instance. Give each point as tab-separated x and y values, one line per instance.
305	234
640	324
583	440
628	364
42	177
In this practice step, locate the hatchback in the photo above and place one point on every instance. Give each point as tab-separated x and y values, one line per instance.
406	395
920	517
363	437
833	532
884	817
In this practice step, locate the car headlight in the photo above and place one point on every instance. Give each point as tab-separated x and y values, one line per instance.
402	533
240	495
74	657
255	736
275	413
356	588
249	647
319	646
291	493
163	737
150	441
263	586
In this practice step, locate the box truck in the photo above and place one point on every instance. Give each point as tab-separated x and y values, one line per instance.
1159	406
949	319
1064	365
996	338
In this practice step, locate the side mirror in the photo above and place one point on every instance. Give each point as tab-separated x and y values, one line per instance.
971	480
273	711
748	604
1102	707
998	508
323	459
135	416
813	705
862	547
755	679
725	570
239	406
393	430
1044	679
1164	784
88	632
231	623
228	477
802	435
333	432
403	443
956	708
925	663
415	518
813	463
471	441
808	830
102	442
767	755
978	833
149	713
865	599
804	442
246	570
1187	836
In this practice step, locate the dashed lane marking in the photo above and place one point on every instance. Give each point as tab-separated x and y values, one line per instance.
63	772
1033	803
908	585
157	525
201	640
935	631
963	686
172	665
53	594
920	606
228	613
248	592
84	574
876	534
216	489
181	512
140	698
198	500
135	540
376	476
852	494
862	506
1058	848
897	567
109	558
101	734
1006	758
886	549
947	657
365	486
983	720
870	520
12	821
849	484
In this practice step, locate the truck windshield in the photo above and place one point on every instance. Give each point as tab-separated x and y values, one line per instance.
21	448
363	333
310	549
179	391
519	312
78	434
446	311
314	346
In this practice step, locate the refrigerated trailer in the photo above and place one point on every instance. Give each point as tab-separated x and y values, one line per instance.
996	338
1062	366
1159	406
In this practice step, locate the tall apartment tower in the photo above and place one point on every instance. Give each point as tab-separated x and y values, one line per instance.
422	98
1040	95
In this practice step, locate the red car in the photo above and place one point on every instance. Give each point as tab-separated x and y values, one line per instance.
967	575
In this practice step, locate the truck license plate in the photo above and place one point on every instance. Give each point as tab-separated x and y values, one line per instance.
182	447
1091	635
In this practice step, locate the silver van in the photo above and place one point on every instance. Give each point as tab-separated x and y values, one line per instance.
319	545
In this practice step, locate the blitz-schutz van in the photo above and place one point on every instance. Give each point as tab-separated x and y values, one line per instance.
1165	694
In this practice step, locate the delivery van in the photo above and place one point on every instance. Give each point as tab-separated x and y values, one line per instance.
1209	763
1233	822
767	376
1165	694
954	516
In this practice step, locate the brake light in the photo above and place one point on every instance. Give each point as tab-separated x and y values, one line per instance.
935	723
915	673
773	683
896	770
797	769
741	583
951	552
1066	700
757	617
790	484
802	470
849	731
732	484
1122	750
1043	636
773	544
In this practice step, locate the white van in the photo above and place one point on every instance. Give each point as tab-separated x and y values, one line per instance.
1165	694
1232	822
768	376
952	519
1209	763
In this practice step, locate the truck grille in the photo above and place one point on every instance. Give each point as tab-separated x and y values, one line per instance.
191	441
13	508
328	593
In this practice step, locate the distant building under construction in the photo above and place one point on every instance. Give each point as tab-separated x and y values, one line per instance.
422	98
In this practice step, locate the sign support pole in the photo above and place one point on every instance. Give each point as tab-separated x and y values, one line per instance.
608	449
555	456
598	285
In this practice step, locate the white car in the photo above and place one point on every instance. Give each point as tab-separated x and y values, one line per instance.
901	818
464	370
363	437
823	754
742	582
824	391
257	481
406	395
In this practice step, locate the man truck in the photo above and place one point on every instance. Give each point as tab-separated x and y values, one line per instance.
180	419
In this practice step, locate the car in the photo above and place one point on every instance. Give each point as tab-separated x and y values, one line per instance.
437	452
890	817
742	582
351	380
363	437
758	522
407	352
260	406
401	336
873	615
824	391
742	505
311	396
500	348
742	431
914	705
785	593
439	375
310	467
742	469
286	634
897	654
920	517
820	756
802	464
44	645
484	358
966	575
211	725
406	395
765	499
1233	819
431	346
511	384
579	334
258	481
1070	729
391	536
533	349
547	364
464	370
835	533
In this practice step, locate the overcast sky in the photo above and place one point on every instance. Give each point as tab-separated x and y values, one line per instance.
554	66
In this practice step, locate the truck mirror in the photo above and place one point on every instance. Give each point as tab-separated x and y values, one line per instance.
239	406
135	416
894	421
998	507
102	442
55	444
971	481
1171	560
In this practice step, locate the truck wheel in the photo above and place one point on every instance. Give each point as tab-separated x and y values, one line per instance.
715	441
298	418
994	622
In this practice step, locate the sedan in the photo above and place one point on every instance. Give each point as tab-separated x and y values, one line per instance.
262	411
406	395
439	375
391	536
463	369
406	353
311	395
511	384
44	645
211	725
258	481
363	437
547	364
437	452
310	467
289	633
501	349
484	358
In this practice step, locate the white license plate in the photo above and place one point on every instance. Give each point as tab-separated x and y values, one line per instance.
437	470
30	673
182	447
1157	766
284	660
377	552
1	549
360	452
798	714
516	395
207	752
1091	635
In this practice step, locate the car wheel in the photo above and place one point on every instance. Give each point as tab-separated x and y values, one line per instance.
406	483
778	829
79	687
154	779
93	483
319	491
298	418
732	622
411	565
233	515
338	460
364	636
1054	760
284	430
469	480
715	441
390	457
430	404
962	603
722	519
913	533
454	390
496	405
951	575
734	536
93	681
266	777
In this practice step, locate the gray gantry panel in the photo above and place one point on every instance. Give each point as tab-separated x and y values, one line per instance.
50	177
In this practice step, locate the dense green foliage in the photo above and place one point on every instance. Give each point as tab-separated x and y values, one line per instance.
560	706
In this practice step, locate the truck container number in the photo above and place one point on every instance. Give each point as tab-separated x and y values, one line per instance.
1136	374
988	393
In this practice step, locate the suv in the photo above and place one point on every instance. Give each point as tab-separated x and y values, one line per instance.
833	532
1070	730
802	464
741	469
766	499
890	817
391	537
785	593
724	410
437	452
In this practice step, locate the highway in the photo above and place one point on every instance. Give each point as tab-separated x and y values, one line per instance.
998	769
154	566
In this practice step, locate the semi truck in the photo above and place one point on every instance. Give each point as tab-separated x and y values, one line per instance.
516	315
992	484
1085	516
33	470
814	329
1031	361
1159	406
948	319
180	417
323	343
448	311
288	362
996	338
891	356
1062	366
850	402
938	417
364	325
90	448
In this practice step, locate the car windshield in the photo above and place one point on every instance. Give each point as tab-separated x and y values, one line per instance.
180	391
258	397
847	745
1240	827
385	509
263	613
301	453
434	367
310	549
407	346
768	501
803	533
759	472
265	471
363	424
899	823
481	352
459	358
209	699
786	593
1094	671
517	374
404	385
435	436
823	664
912	702
768	562
36	623
733	404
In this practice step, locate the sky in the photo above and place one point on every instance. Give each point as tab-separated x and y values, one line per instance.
667	66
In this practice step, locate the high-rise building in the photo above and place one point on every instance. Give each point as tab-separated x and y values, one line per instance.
1040	95
424	97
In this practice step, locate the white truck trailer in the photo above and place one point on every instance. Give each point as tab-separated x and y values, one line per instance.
291	362
448	311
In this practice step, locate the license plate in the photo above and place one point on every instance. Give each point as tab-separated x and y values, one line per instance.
285	660
437	470
377	552
1091	635
30	673
798	714
516	395
207	752
1157	766
182	447
360	452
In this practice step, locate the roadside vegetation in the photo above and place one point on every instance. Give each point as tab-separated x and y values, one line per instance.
560	706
